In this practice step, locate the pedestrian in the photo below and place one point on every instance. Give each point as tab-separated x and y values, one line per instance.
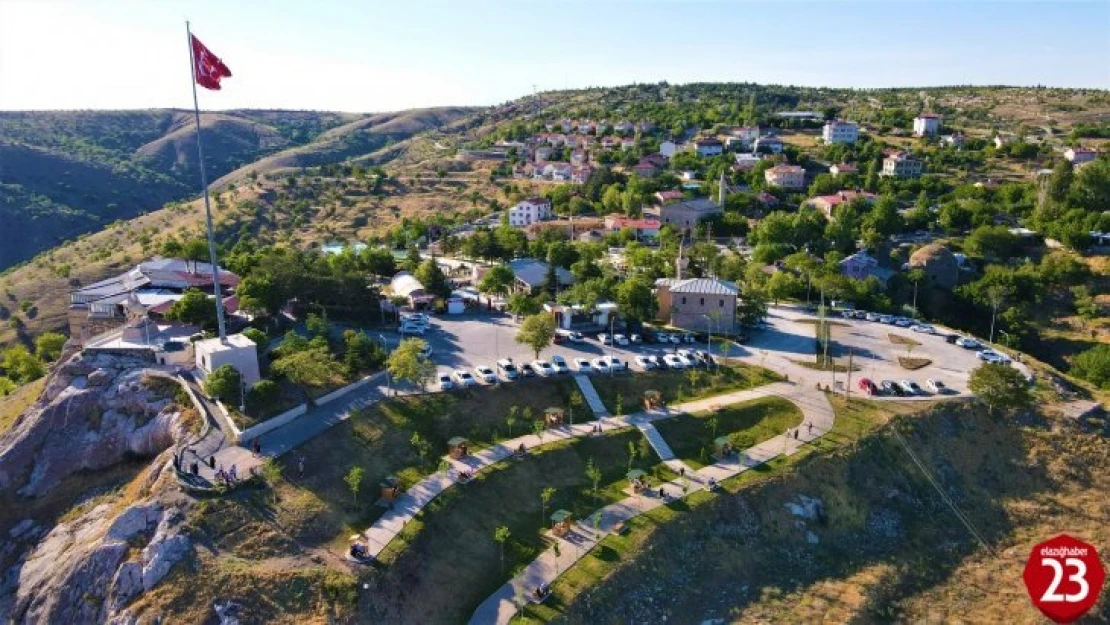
257	447
300	465
796	434
682	471
233	474
211	462
195	468
810	424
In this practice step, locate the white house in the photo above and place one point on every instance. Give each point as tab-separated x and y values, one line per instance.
840	131
902	165
769	143
529	211
1080	155
710	146
237	351
926	124
786	177
669	148
747	134
861	265
747	161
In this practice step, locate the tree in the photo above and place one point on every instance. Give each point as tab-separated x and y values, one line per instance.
258	337
1093	365
594	475
224	383
20	365
575	402
263	395
431	276
636	299
545	498
316	325
48	346
420	445
354	481
260	294
194	308
1001	386
314	366
536	332
361	353
407	363
522	304
497	280
618	402
501	536
538	428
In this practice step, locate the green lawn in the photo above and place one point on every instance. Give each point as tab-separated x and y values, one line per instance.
446	561
748	423
678	385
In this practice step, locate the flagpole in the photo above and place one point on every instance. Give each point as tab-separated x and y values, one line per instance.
204	184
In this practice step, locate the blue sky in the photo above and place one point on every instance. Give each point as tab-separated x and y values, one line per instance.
387	55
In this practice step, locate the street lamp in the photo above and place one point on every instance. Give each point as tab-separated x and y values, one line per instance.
612	341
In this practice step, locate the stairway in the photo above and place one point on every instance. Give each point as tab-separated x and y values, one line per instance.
589	393
662	449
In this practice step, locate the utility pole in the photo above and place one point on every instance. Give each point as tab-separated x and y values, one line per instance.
848	385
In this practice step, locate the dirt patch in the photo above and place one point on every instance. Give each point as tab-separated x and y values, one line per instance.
913	363
898	339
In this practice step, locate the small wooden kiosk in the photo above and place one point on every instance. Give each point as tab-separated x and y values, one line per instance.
653	399
391	488
722	448
561	520
637	479
458	447
554	417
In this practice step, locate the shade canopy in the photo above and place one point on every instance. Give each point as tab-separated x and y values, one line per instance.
560	516
458	440
635	474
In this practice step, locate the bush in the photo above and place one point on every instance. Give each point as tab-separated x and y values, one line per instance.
1093	365
264	395
223	383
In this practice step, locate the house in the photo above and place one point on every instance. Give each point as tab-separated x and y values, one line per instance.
628	143
668	197
902	165
591	236
926	124
405	285
643	228
953	141
579	175
840	131
827	203
645	170
529	211
1080	155
786	176
747	161
698	304
768	145
236	350
585	128
154	284
543	153
578	158
555	171
557	140
601	126
767	199
531	275
710	146
736	144
646	127
610	142
861	265
669	148
843	169
656	159
687	214
747	134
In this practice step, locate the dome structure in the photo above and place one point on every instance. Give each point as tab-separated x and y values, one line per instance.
939	263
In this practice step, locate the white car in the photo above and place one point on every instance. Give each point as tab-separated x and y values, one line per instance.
991	356
582	365
686	359
910	387
644	362
604	338
463	377
662	337
559	364
887	319
902	322
673	362
576	337
676	338
924	329
620	339
445	382
542	367
486	374
872	316
600	364
410	328
636	338
507	369
616	364
968	343
654	360
936	386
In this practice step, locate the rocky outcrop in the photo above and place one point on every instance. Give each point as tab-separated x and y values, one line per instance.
84	570
94	412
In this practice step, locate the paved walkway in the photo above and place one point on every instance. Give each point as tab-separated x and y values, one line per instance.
589	393
502	605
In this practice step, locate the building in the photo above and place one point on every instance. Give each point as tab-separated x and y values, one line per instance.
840	131
861	265
155	284
698	304
786	176
628	143
926	124
656	159
543	153
531	275
669	148
902	165
1080	155
769	144
579	175
710	146
687	214
578	158
827	203
643	228
938	263
747	161
668	197
747	134
405	285
843	169
624	127
953	141
529	211
645	169
237	351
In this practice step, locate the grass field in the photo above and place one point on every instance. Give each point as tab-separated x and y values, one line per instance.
691	436
22	398
678	386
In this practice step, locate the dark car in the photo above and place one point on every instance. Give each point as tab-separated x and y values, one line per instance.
951	338
527	370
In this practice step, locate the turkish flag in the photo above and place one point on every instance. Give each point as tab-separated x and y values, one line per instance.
208	69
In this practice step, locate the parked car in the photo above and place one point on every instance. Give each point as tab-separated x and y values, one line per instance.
673	362
543	368
951	338
604	338
910	387
463	378
871	316
582	365
654	360
485	374
426	352
527	371
576	337
689	338
620	339
507	369
887	319
890	387
924	328
968	343
860	314
445	383
559	364
676	339
644	362
993	357
636	338
600	364
903	322
412	329
867	386
936	386
615	363
662	337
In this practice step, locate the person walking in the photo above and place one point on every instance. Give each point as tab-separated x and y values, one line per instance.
211	462
233	474
796	433
810	427
257	446
300	465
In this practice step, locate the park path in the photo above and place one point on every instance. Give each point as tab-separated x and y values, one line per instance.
503	605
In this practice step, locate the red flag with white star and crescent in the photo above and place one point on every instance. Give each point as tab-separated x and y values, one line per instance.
208	69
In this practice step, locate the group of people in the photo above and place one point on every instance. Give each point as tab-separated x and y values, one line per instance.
542	591
359	551
229	477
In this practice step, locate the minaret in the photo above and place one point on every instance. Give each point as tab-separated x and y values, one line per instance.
722	190
680	262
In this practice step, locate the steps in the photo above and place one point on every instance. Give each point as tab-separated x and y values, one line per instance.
589	393
662	449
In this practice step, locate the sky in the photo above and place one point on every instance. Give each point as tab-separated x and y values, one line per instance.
365	56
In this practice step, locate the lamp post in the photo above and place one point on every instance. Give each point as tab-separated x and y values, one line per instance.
612	341
388	377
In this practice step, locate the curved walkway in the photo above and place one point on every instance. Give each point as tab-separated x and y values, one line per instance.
502	605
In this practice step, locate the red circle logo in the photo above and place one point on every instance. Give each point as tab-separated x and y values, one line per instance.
1064	577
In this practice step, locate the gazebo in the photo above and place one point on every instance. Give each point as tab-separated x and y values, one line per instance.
637	479
554	417
722	448
561	520
653	399
458	447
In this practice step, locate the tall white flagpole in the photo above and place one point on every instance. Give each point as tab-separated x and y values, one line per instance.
204	184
